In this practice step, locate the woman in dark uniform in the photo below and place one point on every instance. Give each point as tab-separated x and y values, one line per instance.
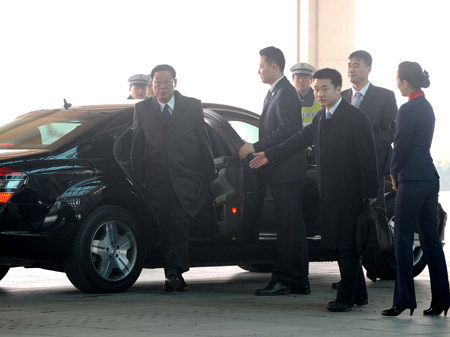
416	181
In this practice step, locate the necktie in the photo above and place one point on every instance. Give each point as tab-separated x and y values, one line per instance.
328	114
358	99
268	97
166	113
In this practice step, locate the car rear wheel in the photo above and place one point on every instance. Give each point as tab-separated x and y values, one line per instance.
107	253
257	268
3	271
385	262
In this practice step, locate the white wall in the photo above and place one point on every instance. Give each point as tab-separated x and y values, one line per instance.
86	50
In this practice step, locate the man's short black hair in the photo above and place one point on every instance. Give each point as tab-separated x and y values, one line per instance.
274	55
362	55
162	67
328	73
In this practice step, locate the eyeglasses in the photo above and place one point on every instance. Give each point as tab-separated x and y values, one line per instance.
161	83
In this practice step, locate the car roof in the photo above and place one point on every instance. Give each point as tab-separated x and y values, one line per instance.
112	108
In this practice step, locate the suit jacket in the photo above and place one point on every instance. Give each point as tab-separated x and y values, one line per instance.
280	119
174	155
346	169
411	158
380	106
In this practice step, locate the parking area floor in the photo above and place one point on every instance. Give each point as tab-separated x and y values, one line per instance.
220	303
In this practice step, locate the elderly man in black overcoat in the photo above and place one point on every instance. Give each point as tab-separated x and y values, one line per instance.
346	175
173	165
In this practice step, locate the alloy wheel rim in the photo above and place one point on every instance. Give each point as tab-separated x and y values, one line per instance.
113	250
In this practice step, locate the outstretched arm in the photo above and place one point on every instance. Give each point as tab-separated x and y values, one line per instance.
259	160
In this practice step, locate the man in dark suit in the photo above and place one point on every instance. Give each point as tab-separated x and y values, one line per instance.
346	175
173	165
281	118
380	107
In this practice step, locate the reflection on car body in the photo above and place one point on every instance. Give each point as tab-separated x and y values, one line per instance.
68	201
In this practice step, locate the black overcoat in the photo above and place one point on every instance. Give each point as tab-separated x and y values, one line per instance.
346	169
174	154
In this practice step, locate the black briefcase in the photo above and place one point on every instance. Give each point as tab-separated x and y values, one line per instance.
373	233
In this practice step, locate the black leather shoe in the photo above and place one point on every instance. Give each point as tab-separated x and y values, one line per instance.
335	285
395	311
301	290
175	283
436	311
274	288
337	306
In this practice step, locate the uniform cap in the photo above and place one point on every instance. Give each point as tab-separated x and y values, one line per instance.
140	80
302	68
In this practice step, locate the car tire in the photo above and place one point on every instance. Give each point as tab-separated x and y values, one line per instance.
257	268
107	253
3	271
385	265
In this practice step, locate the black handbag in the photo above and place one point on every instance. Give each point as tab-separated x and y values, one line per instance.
373	236
373	233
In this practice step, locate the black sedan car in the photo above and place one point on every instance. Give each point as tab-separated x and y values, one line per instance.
68	202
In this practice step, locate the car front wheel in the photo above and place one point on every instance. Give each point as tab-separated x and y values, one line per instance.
107	253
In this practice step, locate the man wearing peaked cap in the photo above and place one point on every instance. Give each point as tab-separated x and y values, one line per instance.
138	86
302	77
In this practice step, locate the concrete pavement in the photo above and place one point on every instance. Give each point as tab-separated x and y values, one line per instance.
220	303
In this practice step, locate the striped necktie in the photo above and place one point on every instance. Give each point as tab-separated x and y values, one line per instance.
358	98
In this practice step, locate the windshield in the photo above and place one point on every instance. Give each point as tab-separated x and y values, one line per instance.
47	128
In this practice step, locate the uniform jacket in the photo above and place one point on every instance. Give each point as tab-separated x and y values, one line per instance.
346	169
380	106
174	154
411	158
280	119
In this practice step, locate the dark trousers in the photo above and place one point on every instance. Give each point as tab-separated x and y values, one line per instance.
293	260
352	288
380	196
416	204
175	230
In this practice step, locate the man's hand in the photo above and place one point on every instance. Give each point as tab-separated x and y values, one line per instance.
394	183
246	149
259	160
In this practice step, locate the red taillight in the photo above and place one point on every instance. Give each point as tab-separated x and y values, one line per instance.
234	210
4	197
10	180
8	171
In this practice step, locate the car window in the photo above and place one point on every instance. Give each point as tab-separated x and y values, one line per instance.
50	133
218	146
246	131
47	128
